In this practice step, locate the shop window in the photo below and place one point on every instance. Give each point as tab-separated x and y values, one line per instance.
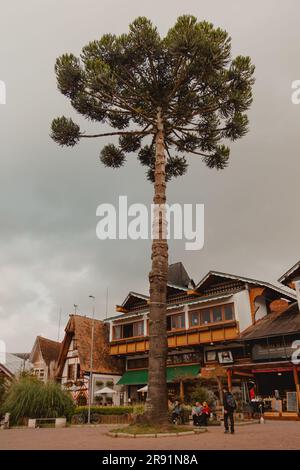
141	363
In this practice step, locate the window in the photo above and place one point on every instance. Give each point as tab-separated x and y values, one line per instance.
140	363
195	319
71	371
228	312
42	373
211	356
127	331
205	316
175	322
78	371
138	328
216	314
117	332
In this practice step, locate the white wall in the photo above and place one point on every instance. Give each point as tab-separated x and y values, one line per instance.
242	309
104	378
260	307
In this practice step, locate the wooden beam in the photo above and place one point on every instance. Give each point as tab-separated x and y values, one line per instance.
229	380
296	380
243	374
181	393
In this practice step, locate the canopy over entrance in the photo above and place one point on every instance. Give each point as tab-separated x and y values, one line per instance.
176	373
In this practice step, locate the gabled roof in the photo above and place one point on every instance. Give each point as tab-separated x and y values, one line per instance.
216	277
13	364
293	272
280	323
134	299
49	349
80	329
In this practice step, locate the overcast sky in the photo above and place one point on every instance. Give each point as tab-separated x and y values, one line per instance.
50	257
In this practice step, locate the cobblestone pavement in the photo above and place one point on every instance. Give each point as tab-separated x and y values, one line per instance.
271	435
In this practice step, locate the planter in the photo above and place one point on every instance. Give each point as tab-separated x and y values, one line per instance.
31	423
60	422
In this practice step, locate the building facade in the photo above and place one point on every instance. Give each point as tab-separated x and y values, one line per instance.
204	324
43	358
74	367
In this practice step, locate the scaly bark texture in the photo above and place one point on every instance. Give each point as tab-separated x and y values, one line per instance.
157	406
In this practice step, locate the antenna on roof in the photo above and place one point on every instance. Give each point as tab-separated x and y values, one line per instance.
75	308
59	320
106	306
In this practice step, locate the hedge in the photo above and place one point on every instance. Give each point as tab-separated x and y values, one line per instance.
104	410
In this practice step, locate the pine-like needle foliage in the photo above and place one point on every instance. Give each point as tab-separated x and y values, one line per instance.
189	74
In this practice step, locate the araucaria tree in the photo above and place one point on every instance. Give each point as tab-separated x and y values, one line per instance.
165	98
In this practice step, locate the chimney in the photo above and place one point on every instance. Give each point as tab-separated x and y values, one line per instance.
278	305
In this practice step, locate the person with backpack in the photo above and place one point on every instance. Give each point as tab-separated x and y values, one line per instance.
229	407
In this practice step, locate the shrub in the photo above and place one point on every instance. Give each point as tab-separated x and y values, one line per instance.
110	383
29	397
99	383
202	394
4	385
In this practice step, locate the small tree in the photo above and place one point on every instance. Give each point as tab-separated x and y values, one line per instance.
166	98
201	394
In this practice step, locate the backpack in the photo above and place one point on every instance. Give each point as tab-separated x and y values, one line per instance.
230	401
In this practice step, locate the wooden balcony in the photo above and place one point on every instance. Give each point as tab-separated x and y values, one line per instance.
179	338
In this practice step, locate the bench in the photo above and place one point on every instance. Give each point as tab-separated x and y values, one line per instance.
44	422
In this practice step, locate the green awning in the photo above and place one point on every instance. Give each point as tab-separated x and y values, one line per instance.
140	377
134	377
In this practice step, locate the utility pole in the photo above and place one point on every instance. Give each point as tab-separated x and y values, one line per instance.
91	361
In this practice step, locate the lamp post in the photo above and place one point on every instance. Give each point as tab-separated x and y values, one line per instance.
91	361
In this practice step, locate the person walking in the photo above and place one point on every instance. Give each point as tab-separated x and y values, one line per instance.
229	405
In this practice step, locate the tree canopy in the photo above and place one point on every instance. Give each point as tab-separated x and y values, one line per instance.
188	75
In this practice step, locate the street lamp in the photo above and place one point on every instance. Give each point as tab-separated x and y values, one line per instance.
91	361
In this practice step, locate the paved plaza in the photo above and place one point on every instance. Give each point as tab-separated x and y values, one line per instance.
271	435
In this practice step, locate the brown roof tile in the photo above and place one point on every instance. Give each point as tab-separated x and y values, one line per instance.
80	329
284	322
49	349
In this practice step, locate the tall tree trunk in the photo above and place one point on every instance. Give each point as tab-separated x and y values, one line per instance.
157	405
